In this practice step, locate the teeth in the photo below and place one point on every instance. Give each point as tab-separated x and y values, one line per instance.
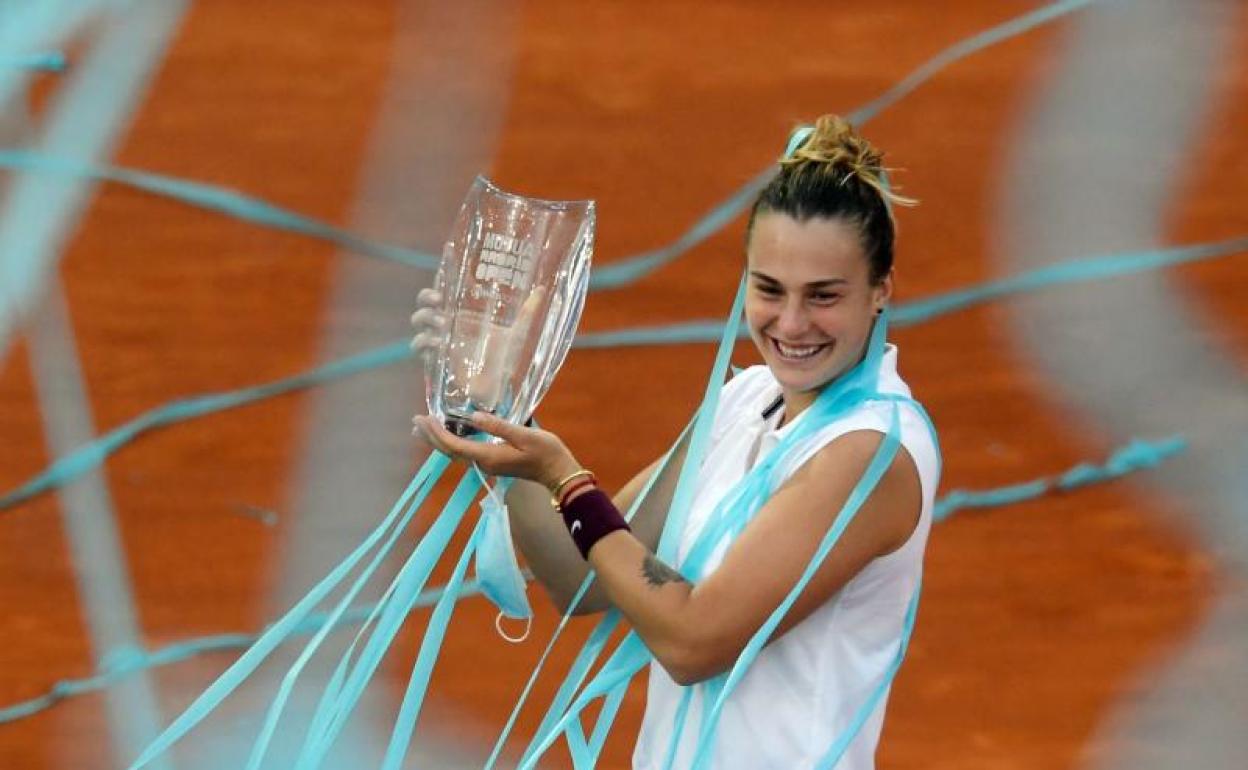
797	352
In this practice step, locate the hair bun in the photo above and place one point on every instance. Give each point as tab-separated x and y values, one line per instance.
833	146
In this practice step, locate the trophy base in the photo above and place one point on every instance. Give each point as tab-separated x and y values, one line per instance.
460	426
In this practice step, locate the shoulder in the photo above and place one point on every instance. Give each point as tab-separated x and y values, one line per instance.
867	424
844	459
893	506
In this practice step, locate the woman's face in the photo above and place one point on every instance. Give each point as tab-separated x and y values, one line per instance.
810	302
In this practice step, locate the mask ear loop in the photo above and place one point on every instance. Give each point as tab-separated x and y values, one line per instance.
498	626
489	490
498	619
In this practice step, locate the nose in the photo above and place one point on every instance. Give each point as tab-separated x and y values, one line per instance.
792	322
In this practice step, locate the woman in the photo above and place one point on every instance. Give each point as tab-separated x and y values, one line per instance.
819	250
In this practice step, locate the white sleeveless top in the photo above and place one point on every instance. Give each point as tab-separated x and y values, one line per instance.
803	689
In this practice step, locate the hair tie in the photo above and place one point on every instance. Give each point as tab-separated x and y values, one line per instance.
799	136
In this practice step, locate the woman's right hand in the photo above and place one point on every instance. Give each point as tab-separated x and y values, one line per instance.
428	323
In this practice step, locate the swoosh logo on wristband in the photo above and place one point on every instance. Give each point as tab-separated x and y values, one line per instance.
575	526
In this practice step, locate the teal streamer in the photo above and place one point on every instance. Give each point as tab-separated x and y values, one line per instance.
619	273
837	749
287	685
866	485
797	139
1073	271
682	333
1067	272
593	646
682	715
699	436
214	198
858	385
410	499
422	670
610	707
600	723
594	745
577	673
630	270
627	659
964	48
70	466
50	61
189	648
74	464
1135	455
632	654
700	439
338	702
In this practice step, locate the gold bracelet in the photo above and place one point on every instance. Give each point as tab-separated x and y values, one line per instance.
556	489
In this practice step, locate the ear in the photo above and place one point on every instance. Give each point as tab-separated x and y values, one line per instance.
882	292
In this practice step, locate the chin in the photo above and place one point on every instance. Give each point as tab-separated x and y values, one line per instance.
801	384
799	380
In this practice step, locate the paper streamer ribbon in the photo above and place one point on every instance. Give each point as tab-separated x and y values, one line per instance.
620	273
1134	456
70	466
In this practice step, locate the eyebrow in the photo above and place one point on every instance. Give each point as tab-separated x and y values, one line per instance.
825	283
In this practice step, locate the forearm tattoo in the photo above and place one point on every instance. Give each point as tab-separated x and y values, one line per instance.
657	573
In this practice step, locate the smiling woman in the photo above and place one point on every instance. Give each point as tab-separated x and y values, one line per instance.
811	302
822	448
820	253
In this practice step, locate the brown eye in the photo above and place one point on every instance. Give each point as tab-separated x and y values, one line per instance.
825	298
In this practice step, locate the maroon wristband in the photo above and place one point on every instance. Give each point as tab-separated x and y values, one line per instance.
591	516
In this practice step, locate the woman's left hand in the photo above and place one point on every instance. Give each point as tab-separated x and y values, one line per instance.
527	453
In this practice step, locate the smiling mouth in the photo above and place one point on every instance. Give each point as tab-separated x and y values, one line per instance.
797	352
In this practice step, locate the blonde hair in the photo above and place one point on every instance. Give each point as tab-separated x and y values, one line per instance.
833	146
830	171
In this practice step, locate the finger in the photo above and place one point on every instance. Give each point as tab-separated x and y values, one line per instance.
419	435
448	443
497	426
429	318
428	297
425	342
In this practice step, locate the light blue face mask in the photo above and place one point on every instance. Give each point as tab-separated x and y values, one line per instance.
498	571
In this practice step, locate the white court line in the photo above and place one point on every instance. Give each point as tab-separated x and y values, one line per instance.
1102	157
90	112
437	127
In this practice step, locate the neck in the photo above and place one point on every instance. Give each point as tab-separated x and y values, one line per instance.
796	402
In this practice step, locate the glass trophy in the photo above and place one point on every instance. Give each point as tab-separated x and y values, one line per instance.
513	279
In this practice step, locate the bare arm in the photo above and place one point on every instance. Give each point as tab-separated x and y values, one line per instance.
540	534
536	528
697	631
